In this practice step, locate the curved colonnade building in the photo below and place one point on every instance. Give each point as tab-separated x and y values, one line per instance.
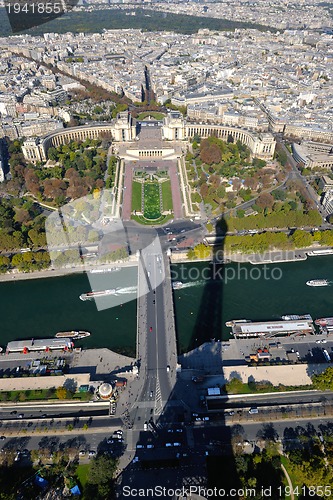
124	129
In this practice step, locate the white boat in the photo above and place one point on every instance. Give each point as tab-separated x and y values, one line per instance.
177	284
100	293
291	317
102	271
73	334
318	283
235	321
320	251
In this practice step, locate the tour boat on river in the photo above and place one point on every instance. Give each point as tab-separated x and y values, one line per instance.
101	293
318	283
74	334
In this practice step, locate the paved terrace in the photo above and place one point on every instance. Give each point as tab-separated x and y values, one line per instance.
170	165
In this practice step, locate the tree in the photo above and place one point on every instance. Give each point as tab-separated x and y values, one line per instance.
14	147
22	216
98	110
323	381
251	183
191	254
265	200
77	191
215	180
279	194
282	157
202	251
204	190
236	184
4	263
37	237
301	239
101	474
63	393
52	154
327	238
256	162
54	188
220	191
17	260
42	259
210	154
32	182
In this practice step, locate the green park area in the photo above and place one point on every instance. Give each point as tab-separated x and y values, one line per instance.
59	469
167	195
152	202
154	114
136	196
153	199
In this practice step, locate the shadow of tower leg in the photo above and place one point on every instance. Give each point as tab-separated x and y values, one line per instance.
184	444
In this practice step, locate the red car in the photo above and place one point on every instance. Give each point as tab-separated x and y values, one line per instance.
151	329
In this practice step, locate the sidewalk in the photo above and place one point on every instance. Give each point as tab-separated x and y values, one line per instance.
51	273
63	431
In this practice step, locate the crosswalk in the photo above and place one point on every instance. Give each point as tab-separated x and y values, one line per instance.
158	399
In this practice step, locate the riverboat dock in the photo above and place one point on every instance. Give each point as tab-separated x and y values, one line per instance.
270	329
28	345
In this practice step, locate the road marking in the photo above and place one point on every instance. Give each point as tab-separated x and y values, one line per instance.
158	399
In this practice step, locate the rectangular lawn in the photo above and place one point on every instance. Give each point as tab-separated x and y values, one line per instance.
167	195
152	201
136	196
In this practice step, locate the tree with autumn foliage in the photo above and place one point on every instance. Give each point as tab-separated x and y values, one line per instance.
210	154
265	200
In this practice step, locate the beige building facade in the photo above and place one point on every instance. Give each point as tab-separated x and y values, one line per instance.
174	128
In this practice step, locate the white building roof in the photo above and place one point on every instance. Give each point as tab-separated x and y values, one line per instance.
273	326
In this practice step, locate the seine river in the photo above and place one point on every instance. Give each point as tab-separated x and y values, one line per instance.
41	308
